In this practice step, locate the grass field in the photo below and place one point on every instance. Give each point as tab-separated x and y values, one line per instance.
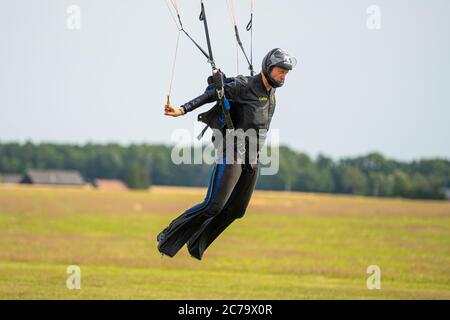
288	246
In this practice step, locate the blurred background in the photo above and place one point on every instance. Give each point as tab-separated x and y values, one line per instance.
83	84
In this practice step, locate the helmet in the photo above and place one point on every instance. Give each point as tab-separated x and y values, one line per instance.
277	58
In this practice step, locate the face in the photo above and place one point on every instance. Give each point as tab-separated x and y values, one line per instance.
279	74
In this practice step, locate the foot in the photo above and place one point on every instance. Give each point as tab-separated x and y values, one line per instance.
160	237
196	257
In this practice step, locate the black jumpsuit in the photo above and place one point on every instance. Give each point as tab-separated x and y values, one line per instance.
231	184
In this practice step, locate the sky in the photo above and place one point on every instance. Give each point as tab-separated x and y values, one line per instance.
355	89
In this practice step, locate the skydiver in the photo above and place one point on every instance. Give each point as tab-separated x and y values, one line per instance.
231	185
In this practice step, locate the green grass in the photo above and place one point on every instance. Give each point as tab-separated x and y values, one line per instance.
288	246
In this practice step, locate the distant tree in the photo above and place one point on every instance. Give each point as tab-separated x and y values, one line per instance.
137	176
354	181
140	165
289	167
380	184
402	185
324	167
426	187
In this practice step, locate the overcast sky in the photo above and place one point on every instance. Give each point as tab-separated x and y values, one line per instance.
355	90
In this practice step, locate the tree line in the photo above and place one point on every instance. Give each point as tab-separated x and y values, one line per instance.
140	166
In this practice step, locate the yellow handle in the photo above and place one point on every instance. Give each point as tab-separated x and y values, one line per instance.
168	101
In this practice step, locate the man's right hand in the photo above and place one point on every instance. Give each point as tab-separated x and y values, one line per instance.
173	111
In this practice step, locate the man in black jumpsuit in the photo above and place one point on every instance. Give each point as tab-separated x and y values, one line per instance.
231	184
